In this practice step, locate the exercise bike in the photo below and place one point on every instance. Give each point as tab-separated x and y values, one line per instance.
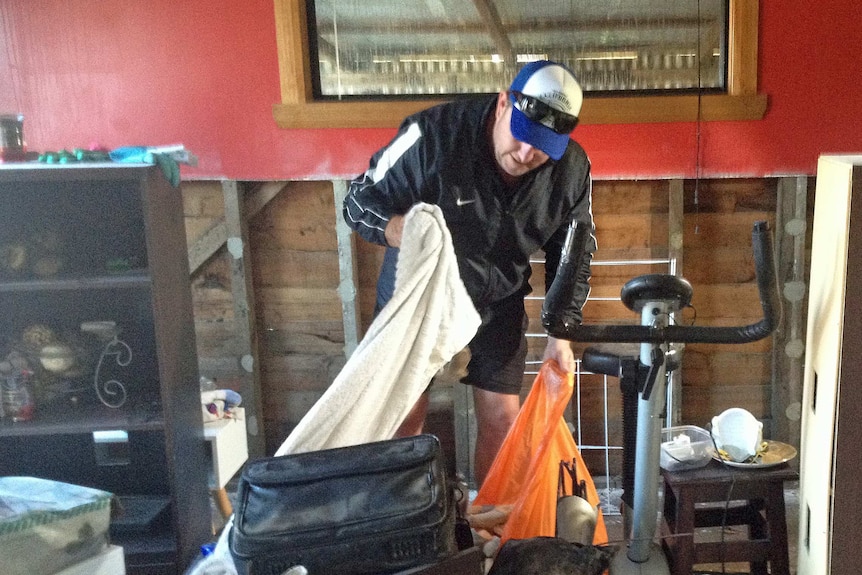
655	297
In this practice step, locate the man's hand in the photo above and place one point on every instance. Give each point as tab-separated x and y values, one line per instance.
561	351
393	231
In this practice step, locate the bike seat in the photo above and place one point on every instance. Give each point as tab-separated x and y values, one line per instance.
656	287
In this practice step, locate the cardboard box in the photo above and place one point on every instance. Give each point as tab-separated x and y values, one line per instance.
46	526
108	562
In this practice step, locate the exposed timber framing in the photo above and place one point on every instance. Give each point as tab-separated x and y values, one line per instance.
675	227
788	344
348	288
239	250
214	238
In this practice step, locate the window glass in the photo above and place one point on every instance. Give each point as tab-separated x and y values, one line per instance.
400	48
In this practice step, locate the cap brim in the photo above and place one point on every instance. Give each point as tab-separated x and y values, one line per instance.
538	136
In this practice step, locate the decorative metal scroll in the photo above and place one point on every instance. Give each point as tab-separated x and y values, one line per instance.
112	392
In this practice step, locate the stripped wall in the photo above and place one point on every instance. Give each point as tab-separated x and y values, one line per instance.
299	316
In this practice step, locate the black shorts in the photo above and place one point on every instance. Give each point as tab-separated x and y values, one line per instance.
499	348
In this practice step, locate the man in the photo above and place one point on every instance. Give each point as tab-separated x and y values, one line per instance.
509	182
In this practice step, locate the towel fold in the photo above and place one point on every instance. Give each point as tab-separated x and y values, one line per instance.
429	319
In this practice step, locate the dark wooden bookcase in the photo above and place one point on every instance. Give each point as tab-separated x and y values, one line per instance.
119	236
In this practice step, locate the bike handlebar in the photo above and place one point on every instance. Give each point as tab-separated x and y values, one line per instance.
560	293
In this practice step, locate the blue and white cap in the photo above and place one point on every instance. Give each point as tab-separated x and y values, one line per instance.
554	85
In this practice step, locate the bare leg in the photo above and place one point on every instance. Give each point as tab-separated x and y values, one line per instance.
495	414
415	420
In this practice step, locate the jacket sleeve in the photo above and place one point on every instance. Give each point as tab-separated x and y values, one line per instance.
391	185
583	214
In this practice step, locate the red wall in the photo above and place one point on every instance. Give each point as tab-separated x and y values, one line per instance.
204	73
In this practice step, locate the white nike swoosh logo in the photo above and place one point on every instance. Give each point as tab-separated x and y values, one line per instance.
459	202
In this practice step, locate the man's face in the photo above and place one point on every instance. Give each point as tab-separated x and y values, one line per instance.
515	158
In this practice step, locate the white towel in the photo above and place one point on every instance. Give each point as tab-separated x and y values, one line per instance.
429	319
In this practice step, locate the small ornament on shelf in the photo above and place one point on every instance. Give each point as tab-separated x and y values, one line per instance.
111	392
16	398
59	361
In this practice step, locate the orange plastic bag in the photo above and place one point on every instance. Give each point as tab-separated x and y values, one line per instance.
525	473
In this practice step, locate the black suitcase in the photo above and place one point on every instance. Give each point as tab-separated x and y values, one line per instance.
373	508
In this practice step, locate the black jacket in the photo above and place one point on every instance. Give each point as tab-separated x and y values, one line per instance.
443	156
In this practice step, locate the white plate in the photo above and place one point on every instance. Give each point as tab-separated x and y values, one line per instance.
776	453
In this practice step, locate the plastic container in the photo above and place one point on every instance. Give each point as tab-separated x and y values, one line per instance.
685	447
16	397
12	147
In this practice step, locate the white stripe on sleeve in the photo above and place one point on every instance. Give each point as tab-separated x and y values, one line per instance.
395	150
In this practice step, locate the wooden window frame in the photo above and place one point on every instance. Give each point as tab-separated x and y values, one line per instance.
299	109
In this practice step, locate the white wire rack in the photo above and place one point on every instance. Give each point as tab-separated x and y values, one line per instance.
607	483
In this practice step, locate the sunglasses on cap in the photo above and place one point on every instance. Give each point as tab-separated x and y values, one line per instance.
541	113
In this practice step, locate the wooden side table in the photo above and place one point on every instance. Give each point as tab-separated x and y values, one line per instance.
699	498
229	443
